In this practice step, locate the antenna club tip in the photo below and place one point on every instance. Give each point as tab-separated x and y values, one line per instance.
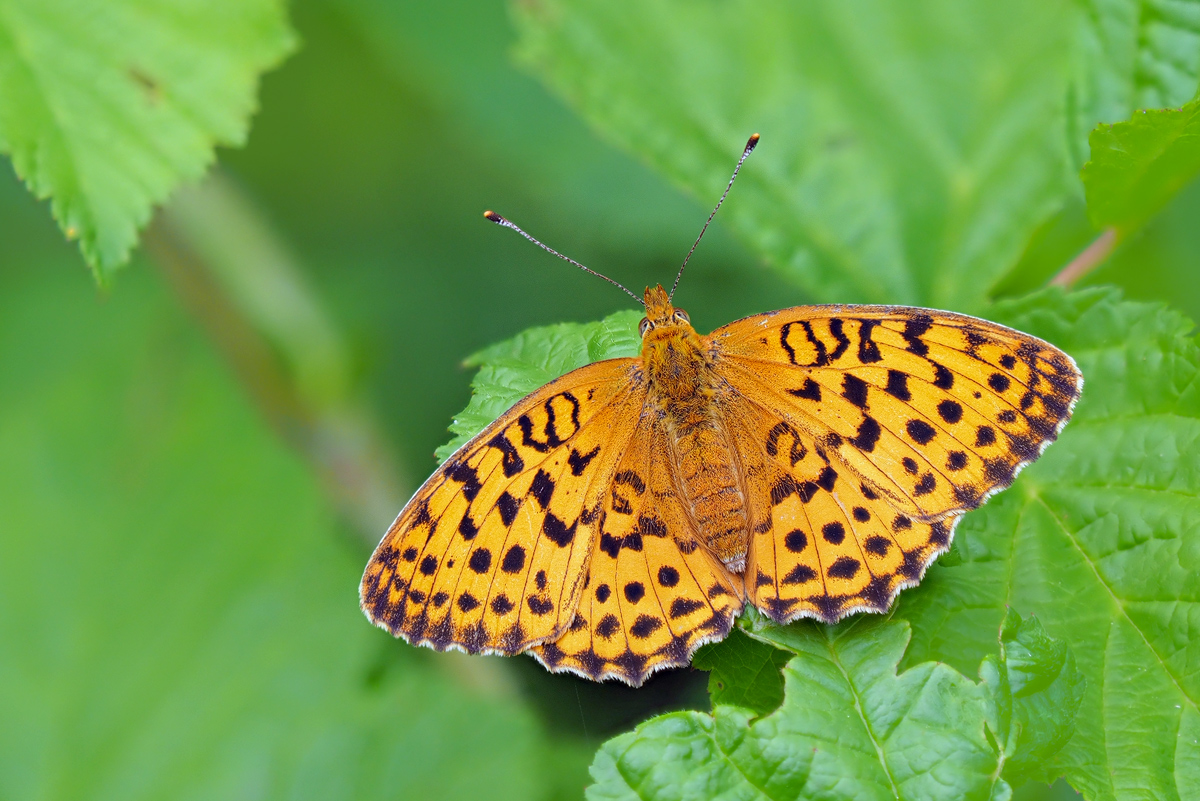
493	216
752	142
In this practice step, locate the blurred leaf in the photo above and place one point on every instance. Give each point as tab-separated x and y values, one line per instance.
1101	540
511	369
1139	165
109	104
907	154
1131	55
178	618
850	727
743	672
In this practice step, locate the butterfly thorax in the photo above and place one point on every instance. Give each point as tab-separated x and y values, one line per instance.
683	390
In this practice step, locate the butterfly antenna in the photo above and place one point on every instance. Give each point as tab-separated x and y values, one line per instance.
498	220
749	149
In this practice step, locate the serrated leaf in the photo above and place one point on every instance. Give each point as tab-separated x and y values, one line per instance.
1131	55
1037	690
850	726
1101	540
908	153
109	104
743	672
511	369
1139	165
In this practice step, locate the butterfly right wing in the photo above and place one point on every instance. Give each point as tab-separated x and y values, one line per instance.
491	552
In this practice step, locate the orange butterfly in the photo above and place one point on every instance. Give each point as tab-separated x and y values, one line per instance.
811	461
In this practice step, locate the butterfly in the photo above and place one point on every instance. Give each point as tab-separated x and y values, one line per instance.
811	462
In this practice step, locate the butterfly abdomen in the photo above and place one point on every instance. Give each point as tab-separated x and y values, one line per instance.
710	484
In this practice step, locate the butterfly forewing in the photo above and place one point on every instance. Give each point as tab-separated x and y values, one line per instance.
653	594
930	409
490	554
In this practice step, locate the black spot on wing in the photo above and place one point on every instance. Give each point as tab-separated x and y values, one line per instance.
508	506
512	462
464	474
836	327
810	390
844	567
539	606
942	378
542	488
914	328
557	531
867	435
920	431
868	351
480	561
854	389
579	462
897	385
644	626
800	574
682	607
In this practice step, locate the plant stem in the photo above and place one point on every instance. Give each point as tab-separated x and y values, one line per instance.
1089	259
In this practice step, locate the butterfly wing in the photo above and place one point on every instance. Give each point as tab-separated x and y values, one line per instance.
491	552
874	428
653	595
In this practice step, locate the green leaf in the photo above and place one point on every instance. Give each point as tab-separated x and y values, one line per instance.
743	672
1139	165
1131	56
108	105
178	616
1101	540
1037	690
511	369
907	153
850	726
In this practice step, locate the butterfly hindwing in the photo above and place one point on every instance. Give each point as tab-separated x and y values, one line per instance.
490	554
653	594
821	544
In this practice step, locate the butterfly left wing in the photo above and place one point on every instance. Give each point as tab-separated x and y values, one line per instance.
653	594
490	553
866	432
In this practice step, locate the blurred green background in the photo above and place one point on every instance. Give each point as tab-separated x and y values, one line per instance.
190	483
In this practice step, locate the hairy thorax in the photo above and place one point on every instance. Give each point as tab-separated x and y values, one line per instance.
683	386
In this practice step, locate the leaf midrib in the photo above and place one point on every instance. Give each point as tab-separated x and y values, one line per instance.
834	657
1117	602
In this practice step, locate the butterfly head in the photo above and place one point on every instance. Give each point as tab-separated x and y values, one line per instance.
661	316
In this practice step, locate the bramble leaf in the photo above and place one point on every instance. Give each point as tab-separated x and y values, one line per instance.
510	370
850	726
908	153
743	672
108	106
1139	165
1100	539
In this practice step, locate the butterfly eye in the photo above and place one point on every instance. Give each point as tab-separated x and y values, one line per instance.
644	326
682	316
